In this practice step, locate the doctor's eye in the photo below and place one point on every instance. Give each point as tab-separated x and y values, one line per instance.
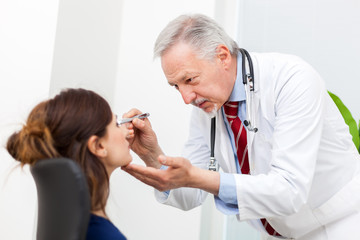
176	86
189	80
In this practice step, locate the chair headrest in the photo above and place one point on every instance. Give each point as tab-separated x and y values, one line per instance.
63	199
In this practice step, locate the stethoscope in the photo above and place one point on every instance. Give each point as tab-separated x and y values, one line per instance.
248	81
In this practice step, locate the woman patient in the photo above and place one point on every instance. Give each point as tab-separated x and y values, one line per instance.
78	124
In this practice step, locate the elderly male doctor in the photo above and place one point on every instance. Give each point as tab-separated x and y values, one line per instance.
302	177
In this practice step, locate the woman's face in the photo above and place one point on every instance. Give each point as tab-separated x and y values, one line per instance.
116	145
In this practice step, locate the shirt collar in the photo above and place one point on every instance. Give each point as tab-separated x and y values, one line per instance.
238	92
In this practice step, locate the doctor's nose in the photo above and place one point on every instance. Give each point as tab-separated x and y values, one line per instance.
187	95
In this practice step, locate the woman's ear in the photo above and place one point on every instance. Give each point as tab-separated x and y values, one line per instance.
96	147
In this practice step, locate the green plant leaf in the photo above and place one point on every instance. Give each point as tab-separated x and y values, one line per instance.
349	120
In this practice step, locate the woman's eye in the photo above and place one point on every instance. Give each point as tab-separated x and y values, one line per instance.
176	87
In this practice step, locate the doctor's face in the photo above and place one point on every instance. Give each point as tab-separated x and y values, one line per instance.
203	83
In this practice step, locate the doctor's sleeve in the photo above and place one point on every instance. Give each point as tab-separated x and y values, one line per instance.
197	151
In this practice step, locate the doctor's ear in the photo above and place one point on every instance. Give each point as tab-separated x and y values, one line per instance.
96	147
223	54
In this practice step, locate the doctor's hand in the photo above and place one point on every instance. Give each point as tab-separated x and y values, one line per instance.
142	139
179	173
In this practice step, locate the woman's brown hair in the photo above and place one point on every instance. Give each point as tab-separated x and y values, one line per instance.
61	127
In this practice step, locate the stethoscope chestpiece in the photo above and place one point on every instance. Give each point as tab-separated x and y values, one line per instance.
213	165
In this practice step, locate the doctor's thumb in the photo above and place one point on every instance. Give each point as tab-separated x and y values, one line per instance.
163	160
140	124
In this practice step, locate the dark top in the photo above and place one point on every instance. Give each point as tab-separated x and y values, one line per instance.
102	229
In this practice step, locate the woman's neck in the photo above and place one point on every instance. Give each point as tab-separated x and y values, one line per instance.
100	213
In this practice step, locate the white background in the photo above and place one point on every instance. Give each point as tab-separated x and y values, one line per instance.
107	46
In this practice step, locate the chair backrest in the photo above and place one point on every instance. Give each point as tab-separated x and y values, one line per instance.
63	200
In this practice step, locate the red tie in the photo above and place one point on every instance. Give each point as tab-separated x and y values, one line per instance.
231	110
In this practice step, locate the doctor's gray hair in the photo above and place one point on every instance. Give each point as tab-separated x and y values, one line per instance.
199	31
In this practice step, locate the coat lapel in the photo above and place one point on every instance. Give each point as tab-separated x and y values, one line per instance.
254	108
223	151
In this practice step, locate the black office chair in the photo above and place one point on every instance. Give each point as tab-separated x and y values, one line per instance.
63	200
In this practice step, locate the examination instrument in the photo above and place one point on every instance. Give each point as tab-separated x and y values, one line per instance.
140	116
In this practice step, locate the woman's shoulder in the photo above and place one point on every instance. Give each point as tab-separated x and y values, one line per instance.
100	228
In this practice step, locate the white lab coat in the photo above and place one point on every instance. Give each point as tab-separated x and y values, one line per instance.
304	165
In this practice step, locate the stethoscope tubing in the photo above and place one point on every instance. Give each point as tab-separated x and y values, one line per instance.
248	81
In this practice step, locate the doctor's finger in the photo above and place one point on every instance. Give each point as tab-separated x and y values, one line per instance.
155	181
175	162
130	135
149	181
149	172
143	125
132	112
139	176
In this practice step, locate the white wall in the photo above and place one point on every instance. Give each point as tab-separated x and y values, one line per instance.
324	33
141	84
107	46
86	46
27	34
